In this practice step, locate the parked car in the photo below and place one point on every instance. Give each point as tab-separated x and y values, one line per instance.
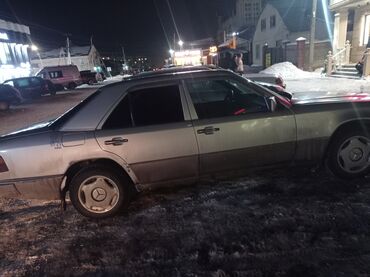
88	77
31	87
266	78
8	96
175	126
66	76
277	89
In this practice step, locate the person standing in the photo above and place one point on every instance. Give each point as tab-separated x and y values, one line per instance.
239	63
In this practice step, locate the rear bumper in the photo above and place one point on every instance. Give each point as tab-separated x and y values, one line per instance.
43	188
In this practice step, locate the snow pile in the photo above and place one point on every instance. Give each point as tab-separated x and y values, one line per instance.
287	70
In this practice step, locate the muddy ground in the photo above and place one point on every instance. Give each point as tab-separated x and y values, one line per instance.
284	223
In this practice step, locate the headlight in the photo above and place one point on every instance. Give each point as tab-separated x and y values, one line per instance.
3	167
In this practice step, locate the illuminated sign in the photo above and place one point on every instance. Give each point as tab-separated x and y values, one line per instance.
213	49
4	36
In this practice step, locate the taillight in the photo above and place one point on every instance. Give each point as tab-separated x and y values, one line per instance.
3	167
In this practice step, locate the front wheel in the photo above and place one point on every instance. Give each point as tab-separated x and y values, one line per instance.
99	193
349	154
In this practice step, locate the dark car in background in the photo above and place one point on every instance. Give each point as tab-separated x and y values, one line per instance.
8	96
88	77
277	89
31	87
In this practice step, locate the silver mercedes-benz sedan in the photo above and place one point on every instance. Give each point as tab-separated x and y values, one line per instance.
176	126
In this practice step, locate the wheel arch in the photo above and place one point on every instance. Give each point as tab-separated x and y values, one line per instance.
363	124
103	162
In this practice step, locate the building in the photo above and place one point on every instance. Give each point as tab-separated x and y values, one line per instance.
14	50
244	18
282	22
351	22
84	57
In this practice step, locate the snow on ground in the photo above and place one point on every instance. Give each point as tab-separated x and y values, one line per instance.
306	85
288	70
329	86
109	80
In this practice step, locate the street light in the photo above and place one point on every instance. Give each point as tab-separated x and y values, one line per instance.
172	52
181	43
34	47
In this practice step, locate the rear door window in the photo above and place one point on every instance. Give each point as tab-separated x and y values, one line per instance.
35	82
120	118
157	105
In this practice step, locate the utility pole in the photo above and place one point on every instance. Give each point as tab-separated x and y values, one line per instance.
313	32
123	54
69	61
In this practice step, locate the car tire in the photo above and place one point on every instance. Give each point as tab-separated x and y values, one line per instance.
349	154
4	106
72	86
51	87
99	192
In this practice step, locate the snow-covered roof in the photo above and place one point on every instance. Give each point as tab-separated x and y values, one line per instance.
74	50
296	13
15	27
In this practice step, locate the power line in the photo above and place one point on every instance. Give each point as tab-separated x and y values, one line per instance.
173	19
161	21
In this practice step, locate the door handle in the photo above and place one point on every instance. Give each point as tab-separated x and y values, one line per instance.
116	141
208	130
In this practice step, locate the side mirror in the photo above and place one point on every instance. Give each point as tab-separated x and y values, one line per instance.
272	103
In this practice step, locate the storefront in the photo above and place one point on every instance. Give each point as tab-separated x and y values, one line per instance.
14	47
188	57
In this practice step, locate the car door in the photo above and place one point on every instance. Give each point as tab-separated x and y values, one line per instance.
151	130
36	86
235	127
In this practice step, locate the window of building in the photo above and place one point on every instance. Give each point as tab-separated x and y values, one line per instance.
159	105
120	118
272	21
258	52
351	20
223	98
55	74
263	25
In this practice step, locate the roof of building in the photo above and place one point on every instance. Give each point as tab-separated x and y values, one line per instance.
15	27
297	13
74	50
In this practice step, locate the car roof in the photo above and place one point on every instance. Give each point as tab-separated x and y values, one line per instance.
22	78
175	71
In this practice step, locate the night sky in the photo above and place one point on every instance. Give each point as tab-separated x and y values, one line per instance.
143	27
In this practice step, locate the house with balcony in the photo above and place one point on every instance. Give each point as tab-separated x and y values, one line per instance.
351	23
350	37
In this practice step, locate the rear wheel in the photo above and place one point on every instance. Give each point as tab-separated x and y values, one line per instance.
98	192
72	86
349	154
51	87
4	106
